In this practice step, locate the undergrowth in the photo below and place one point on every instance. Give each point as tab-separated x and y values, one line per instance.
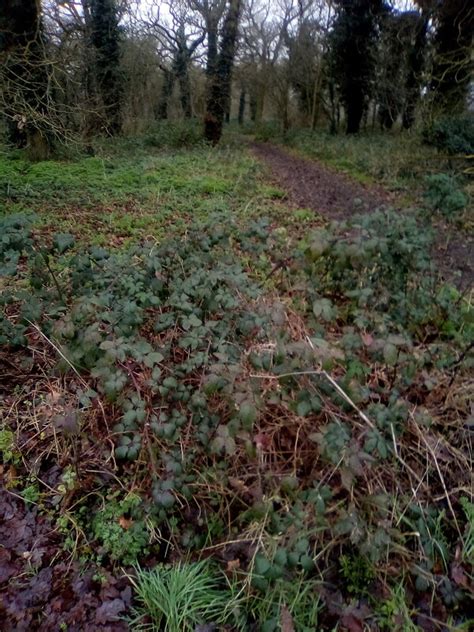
294	407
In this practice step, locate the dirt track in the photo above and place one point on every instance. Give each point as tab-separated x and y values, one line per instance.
337	196
311	185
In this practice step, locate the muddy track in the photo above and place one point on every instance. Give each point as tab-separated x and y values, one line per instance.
311	185
336	196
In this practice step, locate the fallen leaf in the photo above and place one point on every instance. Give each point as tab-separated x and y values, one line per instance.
68	423
238	484
352	624
286	620
125	523
354	617
458	575
109	611
233	565
263	441
11	475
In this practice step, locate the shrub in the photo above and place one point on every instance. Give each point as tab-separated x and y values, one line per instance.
445	195
455	135
15	240
179	134
267	130
120	529
203	380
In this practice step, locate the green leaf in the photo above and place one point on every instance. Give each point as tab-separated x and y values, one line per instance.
306	562
323	308
217	445
63	241
281	557
248	415
170	382
390	354
293	559
289	483
230	446
121	452
153	358
270	625
318	246
262	565
164	499
303	408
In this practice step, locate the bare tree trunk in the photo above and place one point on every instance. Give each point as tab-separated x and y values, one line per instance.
253	107
242	99
316	106
260	104
166	92
105	39
334	122
212	51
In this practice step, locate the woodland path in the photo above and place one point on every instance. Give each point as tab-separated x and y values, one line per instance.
311	185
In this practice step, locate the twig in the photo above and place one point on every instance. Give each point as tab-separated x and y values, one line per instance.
441	478
58	350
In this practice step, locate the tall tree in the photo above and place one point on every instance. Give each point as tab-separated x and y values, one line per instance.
353	50
416	63
220	76
393	66
304	60
179	39
24	76
212	12
104	33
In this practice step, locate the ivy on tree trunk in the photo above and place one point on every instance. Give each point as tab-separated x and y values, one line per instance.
105	40
219	80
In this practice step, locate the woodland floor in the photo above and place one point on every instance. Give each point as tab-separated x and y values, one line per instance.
42	585
310	184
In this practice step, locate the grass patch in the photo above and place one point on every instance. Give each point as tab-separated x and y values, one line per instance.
116	198
182	597
396	160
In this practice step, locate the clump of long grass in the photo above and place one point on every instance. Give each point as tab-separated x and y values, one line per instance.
181	597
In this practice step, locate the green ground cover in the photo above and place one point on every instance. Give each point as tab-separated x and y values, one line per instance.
262	419
124	196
